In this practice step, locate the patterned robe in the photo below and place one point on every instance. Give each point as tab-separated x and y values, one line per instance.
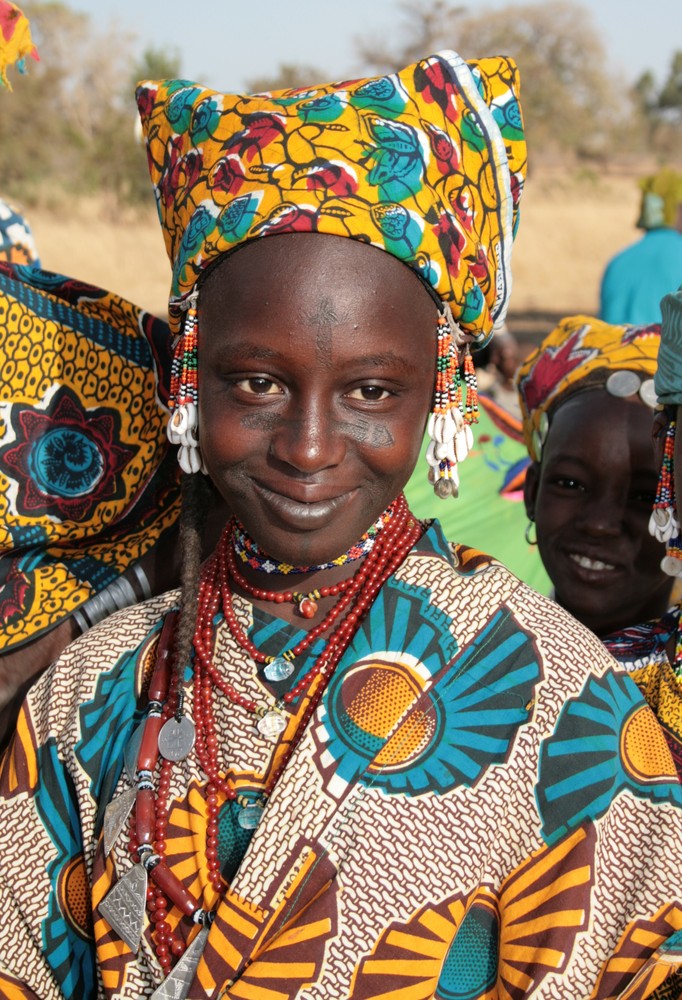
642	650
482	806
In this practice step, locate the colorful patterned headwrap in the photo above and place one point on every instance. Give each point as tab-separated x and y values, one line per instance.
88	483
669	374
427	164
15	40
583	353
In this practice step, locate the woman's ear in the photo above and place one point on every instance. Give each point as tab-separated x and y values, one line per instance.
658	429
530	489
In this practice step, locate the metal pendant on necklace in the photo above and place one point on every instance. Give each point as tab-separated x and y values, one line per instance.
123	906
115	817
132	752
176	985
176	738
272	724
278	669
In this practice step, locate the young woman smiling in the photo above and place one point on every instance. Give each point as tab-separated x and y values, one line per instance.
348	759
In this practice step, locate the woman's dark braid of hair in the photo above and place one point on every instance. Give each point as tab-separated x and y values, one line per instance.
196	499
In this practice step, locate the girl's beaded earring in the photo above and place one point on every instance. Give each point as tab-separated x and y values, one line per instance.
664	523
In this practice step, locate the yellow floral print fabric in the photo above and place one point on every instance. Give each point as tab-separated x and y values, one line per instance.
427	164
88	482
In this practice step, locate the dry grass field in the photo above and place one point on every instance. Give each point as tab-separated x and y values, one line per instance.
570	225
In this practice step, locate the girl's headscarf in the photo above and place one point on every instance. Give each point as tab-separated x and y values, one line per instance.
584	353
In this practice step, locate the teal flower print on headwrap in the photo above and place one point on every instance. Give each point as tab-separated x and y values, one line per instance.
397	160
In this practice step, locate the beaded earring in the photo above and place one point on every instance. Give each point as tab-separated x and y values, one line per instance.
183	426
455	408
664	523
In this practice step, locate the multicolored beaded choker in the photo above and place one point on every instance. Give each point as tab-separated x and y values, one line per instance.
168	735
250	553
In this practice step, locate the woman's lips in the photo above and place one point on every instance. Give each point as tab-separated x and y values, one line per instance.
303	514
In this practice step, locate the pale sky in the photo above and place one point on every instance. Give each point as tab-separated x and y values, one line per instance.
225	42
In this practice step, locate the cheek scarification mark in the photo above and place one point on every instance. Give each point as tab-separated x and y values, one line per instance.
260	421
364	432
361	431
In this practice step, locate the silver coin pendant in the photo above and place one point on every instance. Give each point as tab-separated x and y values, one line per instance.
176	738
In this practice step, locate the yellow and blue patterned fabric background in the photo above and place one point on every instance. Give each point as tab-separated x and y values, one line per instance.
88	481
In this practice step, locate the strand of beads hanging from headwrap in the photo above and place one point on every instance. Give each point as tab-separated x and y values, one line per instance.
427	164
665	521
183	426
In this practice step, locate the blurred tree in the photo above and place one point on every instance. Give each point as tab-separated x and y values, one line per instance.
128	174
49	124
570	102
156	64
71	125
286	77
670	96
661	108
645	93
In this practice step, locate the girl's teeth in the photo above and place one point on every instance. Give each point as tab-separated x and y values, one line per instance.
591	563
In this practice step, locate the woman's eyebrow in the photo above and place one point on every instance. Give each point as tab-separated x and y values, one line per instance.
254	349
384	359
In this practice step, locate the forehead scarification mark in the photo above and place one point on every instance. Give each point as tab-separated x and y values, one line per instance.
323	320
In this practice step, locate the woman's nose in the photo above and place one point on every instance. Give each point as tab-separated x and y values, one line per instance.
309	440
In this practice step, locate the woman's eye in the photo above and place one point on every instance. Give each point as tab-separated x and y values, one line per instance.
258	386
566	483
369	393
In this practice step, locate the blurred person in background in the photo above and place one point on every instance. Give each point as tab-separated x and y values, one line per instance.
505	358
637	278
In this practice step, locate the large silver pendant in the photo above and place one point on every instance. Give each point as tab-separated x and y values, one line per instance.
272	724
176	738
132	752
123	906
115	816
250	816
176	985
278	669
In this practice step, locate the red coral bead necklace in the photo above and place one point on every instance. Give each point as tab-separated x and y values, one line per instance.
149	823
